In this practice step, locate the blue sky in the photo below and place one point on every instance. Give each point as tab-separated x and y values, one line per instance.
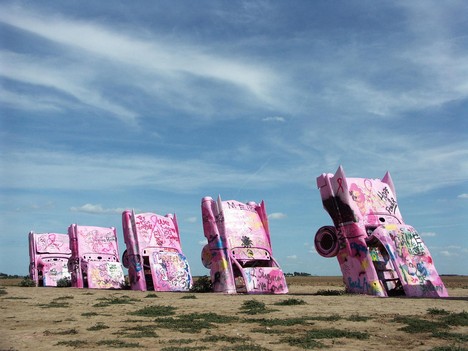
155	104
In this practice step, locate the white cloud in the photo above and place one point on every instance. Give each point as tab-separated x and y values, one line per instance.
40	102
428	234
145	59
450	251
36	206
192	219
447	253
63	170
65	77
463	196
203	242
96	209
274	119
292	257
277	215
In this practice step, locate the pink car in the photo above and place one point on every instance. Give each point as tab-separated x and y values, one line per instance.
154	255
94	262
48	256
238	252
378	253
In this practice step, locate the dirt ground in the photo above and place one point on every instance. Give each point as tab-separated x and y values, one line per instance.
68	319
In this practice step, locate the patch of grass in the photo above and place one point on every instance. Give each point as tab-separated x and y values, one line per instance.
211	317
143	334
255	307
98	326
180	341
331	318
290	302
66	297
245	347
194	322
331	333
54	304
118	344
437	311
460	319
115	300
458	337
278	321
3	291
27	283
139	331
188	297
73	343
151	296
327	292
218	338
155	311
128	320
64	283
308	341
304	342
71	331
183	325
16	298
358	318
202	285
418	325
449	348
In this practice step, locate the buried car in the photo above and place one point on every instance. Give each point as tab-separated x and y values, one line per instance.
377	252
239	252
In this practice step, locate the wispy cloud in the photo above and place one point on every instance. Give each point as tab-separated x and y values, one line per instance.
97	209
277	215
143	58
463	196
274	119
37	206
428	234
75	83
450	251
33	102
192	219
63	170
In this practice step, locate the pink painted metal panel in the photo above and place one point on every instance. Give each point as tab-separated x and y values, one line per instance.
411	260
154	255
239	253
94	262
48	257
374	248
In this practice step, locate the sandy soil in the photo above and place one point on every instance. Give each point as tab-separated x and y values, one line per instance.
68	319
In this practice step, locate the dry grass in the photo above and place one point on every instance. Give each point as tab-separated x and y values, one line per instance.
70	319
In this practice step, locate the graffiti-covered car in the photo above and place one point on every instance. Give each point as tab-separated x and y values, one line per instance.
94	262
377	252
239	252
154	255
48	258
